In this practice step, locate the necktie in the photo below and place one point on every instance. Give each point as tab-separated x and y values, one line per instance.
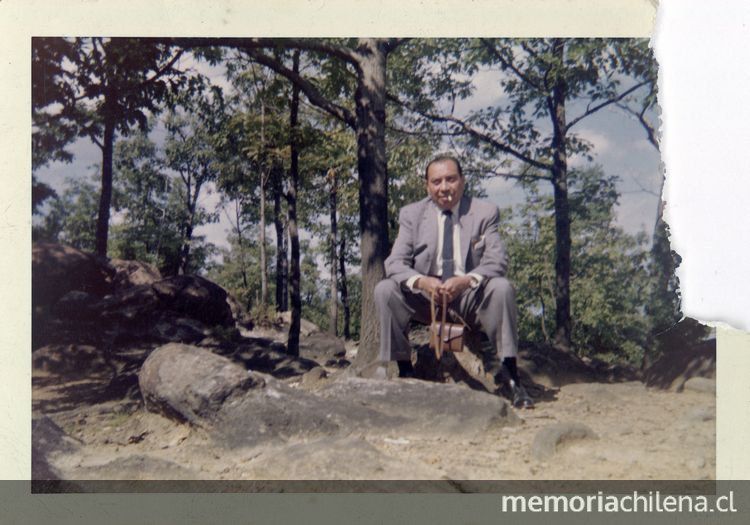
447	246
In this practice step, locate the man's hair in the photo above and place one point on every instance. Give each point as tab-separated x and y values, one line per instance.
442	158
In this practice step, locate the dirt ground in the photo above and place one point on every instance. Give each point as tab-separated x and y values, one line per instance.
641	433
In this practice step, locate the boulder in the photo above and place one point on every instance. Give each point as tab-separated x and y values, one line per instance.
195	297
269	357
423	408
132	467
241	317
551	438
133	273
48	441
76	306
322	347
189	383
700	384
678	364
314	378
242	409
342	458
683	351
73	360
57	269
306	327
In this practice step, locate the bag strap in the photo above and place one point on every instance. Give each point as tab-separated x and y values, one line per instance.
439	335
445	309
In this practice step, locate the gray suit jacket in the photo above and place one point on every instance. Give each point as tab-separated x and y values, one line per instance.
482	250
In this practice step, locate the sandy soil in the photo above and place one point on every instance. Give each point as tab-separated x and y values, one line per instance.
642	434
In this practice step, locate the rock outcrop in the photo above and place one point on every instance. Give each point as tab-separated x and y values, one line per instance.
241	408
549	439
79	298
191	383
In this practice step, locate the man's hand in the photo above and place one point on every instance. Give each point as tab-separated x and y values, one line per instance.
454	287
429	284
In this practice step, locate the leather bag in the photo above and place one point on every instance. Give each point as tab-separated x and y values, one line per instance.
445	336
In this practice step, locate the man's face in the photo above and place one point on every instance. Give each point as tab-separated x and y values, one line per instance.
445	184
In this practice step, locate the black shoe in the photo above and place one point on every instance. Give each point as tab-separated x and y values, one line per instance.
405	369
521	398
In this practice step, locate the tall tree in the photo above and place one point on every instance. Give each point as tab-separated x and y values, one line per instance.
111	84
296	318
609	278
190	151
367	57
549	87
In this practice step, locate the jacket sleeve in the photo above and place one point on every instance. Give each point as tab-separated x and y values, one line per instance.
493	261
399	265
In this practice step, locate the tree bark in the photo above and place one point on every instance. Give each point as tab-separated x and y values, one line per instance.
344	291
563	328
241	245
105	198
296	303
187	238
333	323
263	180
282	303
373	190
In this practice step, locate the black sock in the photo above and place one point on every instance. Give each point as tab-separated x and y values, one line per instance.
509	363
405	368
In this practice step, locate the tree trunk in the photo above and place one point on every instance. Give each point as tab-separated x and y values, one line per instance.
187	238
344	291
333	323
241	245
563	328
263	179
105	198
282	303
373	189
296	303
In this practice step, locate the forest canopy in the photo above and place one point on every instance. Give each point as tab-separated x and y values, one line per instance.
305	149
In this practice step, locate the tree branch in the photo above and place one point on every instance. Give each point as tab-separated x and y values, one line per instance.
341	52
393	43
163	69
640	115
424	133
506	175
312	94
469	130
508	65
590	111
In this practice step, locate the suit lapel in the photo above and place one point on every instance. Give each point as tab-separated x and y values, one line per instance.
466	220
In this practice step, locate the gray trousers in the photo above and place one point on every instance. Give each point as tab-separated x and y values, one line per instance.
489	308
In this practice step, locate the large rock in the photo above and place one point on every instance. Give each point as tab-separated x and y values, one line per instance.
550	439
73	361
195	297
190	383
269	357
57	269
306	327
337	459
679	364
241	409
322	347
133	273
48	441
424	408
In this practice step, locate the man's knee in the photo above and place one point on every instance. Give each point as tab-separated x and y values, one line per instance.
500	288
384	290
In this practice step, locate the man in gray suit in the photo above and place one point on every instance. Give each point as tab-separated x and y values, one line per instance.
449	243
